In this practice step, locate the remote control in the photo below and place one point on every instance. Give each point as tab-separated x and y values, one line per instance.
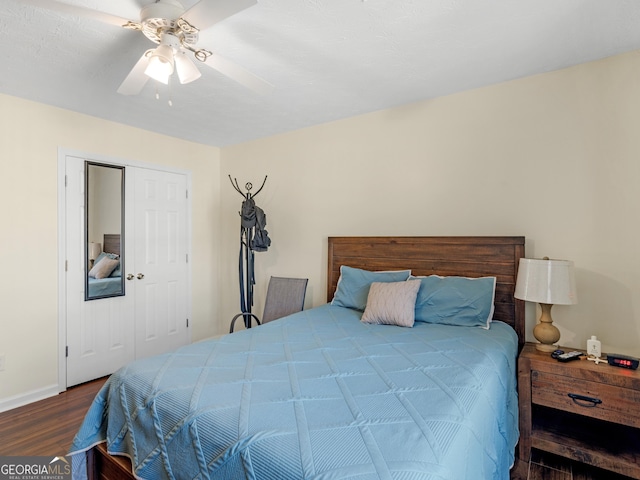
567	357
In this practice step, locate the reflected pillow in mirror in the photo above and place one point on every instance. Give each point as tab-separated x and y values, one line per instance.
118	271
105	254
104	267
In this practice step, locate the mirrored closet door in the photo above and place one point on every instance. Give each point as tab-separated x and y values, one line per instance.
126	226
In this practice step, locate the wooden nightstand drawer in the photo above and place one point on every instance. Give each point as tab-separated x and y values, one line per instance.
592	399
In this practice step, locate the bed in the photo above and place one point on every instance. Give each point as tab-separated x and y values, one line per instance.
320	394
111	285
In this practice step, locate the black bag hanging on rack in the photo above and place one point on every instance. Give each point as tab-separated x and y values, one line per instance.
253	238
260	241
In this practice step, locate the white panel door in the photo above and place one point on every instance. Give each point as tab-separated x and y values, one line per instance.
100	333
160	260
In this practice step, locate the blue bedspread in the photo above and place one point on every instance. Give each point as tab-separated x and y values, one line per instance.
102	287
317	395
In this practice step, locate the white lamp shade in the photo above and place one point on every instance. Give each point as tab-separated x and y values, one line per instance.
95	249
546	281
160	65
187	71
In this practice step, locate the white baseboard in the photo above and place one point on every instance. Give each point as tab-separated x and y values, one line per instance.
22	399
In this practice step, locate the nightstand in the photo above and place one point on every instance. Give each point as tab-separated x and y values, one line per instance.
579	410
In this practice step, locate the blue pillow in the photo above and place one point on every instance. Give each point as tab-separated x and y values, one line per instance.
461	301
353	285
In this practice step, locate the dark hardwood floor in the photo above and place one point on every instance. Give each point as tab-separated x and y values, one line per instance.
48	427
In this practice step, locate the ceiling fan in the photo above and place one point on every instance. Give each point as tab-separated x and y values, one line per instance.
175	30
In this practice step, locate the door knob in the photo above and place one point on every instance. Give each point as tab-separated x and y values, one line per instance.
140	276
129	276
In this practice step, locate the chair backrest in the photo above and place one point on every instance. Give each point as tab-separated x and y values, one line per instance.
284	297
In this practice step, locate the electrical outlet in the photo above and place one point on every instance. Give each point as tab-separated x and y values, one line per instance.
2	361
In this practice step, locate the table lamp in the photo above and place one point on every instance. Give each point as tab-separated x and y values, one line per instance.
548	282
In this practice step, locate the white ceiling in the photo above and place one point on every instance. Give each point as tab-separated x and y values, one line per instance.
328	59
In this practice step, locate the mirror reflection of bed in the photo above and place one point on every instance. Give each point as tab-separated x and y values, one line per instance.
105	277
104	229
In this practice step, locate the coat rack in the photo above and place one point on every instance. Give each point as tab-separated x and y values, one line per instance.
253	238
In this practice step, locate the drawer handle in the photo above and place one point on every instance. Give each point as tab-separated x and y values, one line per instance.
584	401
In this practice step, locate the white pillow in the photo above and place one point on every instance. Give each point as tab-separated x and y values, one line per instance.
392	303
104	267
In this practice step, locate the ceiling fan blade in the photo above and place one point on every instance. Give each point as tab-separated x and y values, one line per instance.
136	80
236	72
56	6
208	12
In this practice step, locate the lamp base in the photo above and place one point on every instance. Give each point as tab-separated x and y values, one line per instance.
541	347
545	331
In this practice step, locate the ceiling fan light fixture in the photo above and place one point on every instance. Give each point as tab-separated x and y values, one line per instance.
161	64
187	71
176	40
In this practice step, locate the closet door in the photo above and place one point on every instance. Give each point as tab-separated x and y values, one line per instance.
99	332
160	272
104	334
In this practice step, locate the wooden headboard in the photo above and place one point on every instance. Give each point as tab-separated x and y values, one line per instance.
111	243
456	256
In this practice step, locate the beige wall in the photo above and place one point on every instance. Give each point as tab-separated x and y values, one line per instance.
554	157
30	135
